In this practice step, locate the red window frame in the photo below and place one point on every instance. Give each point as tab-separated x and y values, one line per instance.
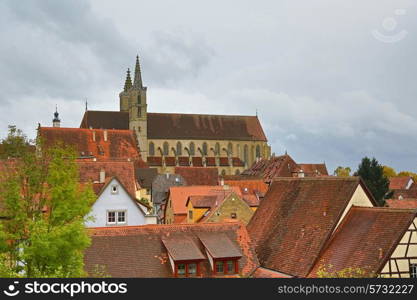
226	271
187	263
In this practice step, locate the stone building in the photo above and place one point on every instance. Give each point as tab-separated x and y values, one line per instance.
166	140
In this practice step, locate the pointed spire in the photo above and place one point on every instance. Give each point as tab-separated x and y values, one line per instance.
56	121
137	84
128	82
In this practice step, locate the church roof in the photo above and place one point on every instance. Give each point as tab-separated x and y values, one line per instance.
183	126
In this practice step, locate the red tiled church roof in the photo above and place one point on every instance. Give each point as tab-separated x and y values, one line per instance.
139	251
365	239
183	126
295	219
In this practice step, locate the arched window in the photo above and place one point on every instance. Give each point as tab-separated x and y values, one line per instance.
151	149
204	148
217	149
138	99
237	172
246	154
258	151
192	149
166	149
230	149
179	148
223	172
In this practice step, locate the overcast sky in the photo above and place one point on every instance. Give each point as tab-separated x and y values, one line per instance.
332	80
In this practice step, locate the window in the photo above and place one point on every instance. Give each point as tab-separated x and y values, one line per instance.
166	149
181	269
190	214
230	267
192	148
223	172
139	112
413	270
114	189
139	101
151	149
192	269
237	172
187	269
219	267
116	217
205	148
258	151
230	149
217	149
246	154
233	215
148	191
179	148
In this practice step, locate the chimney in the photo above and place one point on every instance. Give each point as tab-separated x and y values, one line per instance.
105	135
222	181
94	136
102	176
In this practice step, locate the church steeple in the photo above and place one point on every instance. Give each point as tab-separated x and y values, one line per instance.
56	122
137	83
128	82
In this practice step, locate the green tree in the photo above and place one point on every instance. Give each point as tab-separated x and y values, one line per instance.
408	173
350	272
15	145
45	209
372	174
389	172
342	171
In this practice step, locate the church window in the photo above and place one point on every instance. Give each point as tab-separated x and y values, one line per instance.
166	148
223	172
192	148
179	148
230	149
151	149
139	112
246	154
205	148
238	151
139	102
217	149
258	151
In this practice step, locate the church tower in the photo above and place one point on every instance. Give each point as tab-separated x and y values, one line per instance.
133	100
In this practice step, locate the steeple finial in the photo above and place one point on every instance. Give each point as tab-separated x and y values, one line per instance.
56	122
128	81
137	83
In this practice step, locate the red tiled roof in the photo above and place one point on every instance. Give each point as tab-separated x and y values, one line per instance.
202	201
124	171
219	245
183	126
182	247
249	186
314	169
154	161
138	251
295	219
170	161
120	144
405	194
410	203
199	175
399	183
267	273
365	239
237	162
224	161
268	169
197	161
210	161
183	161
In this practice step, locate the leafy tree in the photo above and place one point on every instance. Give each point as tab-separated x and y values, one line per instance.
15	145
342	171
350	272
372	174
389	172
45	207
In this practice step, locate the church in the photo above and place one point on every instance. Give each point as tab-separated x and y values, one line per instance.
166	140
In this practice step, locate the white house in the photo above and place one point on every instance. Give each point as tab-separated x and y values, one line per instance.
116	207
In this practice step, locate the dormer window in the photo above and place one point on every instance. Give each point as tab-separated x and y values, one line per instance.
114	189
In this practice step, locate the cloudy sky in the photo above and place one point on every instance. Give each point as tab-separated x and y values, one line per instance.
331	80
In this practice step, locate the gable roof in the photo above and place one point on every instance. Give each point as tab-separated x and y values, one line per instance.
314	169
296	218
180	194
183	126
365	239
249	186
219	245
89	171
145	176
182	247
198	175
138	251
120	144
399	183
277	166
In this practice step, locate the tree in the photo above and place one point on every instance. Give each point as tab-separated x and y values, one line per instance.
408	173
342	171
45	207
350	272
389	172
15	144
372	174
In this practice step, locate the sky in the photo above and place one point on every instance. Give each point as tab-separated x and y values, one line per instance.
331	81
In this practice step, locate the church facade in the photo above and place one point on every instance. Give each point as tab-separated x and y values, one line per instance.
166	140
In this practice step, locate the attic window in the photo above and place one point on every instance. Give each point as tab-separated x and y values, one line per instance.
233	215
114	189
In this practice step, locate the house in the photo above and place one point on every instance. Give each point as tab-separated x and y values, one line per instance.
219	206
253	190
284	166
199	175
163	251
145	177
379	241
160	191
176	206
401	183
115	206
298	215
